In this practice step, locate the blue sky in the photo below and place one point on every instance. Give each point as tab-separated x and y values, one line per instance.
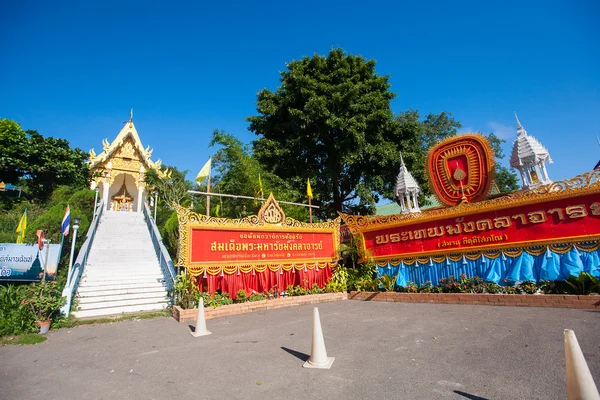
74	69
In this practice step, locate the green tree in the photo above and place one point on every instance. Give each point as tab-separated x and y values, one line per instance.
237	172
13	150
52	162
330	120
418	137
506	179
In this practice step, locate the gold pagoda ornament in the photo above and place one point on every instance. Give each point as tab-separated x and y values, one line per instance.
122	201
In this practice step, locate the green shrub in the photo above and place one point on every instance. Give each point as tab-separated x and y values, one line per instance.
15	314
528	287
492	288
583	284
256	297
240	296
427	287
186	292
388	283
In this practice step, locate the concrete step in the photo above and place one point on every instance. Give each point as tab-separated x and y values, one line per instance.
120	283
86	302
122	303
103	312
91	292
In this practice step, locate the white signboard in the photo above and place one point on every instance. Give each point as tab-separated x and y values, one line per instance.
26	262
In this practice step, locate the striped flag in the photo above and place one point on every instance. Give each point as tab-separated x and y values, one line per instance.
66	222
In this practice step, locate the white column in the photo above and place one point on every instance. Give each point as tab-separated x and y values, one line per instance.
105	194
538	171
416	201
140	194
547	178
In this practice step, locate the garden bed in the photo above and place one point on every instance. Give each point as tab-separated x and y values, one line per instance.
590	302
189	315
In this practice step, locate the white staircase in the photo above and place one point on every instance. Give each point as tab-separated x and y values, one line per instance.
122	273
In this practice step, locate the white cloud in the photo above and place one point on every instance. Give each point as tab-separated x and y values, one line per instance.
505	132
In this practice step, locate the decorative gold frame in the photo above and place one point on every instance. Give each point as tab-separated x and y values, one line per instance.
581	185
189	220
489	154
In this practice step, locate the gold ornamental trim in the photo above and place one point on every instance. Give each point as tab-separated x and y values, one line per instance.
584	184
270	211
581	185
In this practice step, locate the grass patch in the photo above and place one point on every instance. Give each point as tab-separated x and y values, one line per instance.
72	322
26	338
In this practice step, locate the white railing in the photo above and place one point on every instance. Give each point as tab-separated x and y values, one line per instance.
73	280
166	264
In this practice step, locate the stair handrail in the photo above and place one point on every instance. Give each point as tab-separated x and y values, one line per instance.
73	280
166	264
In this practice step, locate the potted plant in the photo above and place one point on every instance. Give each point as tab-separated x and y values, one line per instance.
45	299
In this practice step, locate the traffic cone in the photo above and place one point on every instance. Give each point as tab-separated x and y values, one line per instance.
318	354
580	383
200	328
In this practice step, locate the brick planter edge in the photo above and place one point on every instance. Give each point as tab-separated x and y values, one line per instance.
590	302
190	315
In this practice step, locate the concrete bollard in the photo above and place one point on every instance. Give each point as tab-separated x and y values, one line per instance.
318	354
200	328
580	383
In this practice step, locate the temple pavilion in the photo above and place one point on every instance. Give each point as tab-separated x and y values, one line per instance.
119	170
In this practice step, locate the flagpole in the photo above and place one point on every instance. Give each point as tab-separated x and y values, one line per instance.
309	210
208	197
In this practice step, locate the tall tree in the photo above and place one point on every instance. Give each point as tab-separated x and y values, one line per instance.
13	150
506	179
419	136
330	120
52	162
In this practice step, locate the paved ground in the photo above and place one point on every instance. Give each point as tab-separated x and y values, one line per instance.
381	350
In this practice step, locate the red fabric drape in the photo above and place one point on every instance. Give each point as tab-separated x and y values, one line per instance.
263	281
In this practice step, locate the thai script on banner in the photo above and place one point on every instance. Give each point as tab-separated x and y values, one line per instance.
575	217
232	245
25	262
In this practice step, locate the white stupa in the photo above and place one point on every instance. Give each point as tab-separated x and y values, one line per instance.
530	158
407	190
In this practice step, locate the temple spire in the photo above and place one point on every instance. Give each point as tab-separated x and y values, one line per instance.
131	115
529	157
407	190
520	129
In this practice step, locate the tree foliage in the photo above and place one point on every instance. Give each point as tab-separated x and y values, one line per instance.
13	150
330	120
39	164
419	135
237	171
506	179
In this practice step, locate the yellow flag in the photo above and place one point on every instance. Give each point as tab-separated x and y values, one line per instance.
308	189
21	228
204	173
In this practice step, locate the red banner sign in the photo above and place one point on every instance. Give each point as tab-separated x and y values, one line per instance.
227	246
572	218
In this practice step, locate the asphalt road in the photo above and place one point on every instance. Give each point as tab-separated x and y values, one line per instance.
381	350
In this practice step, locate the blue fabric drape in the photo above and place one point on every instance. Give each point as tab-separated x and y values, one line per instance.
525	267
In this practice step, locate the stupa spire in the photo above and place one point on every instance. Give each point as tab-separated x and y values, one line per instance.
530	158
407	189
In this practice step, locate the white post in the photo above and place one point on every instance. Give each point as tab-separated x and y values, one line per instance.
95	202
47	244
547	178
105	193
155	204
75	227
580	383
139	202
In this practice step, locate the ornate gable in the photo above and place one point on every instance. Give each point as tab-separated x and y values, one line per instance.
125	154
